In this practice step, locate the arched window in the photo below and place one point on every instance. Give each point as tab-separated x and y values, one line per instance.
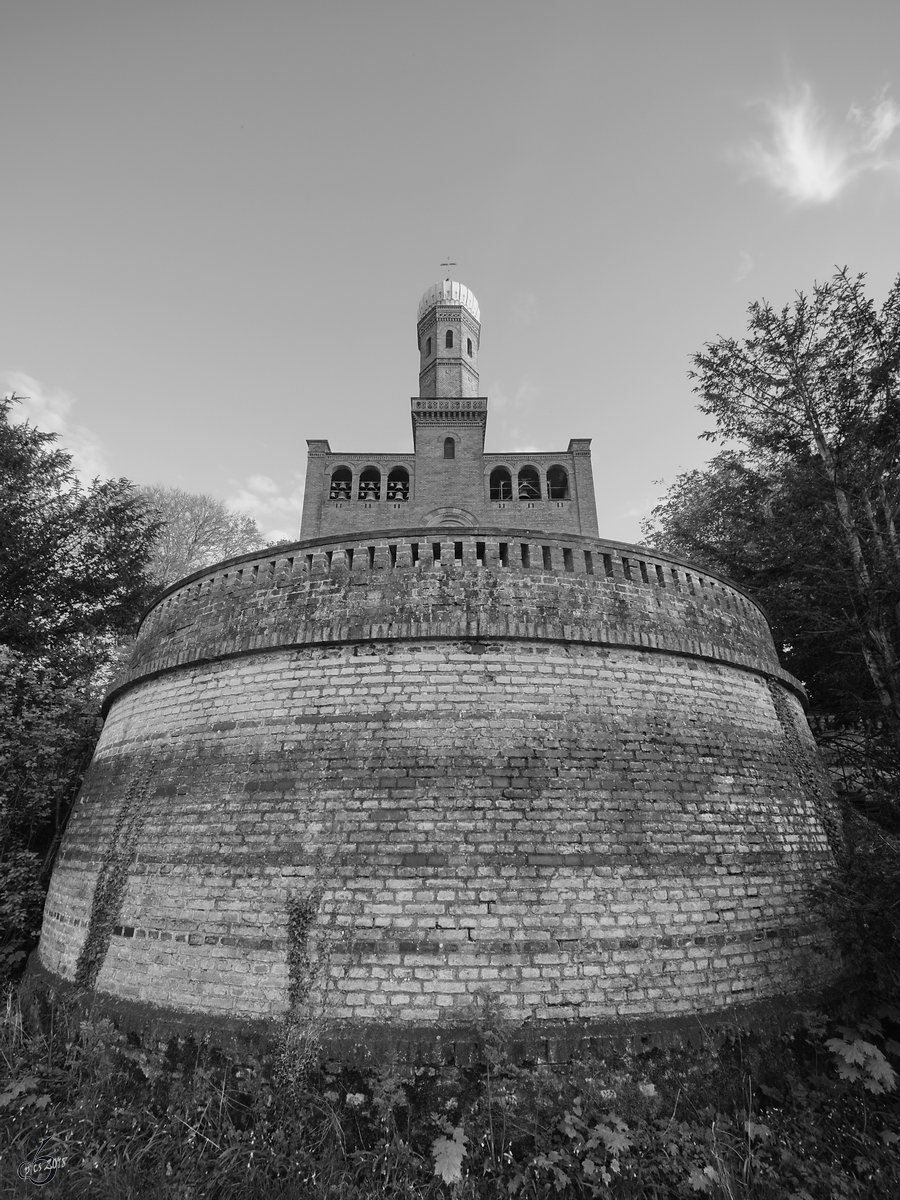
398	484
449	448
370	484
448	340
341	484
529	484
428	348
557	484
501	484
469	346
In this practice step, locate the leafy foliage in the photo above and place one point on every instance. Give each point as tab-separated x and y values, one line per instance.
768	527
48	727
71	560
194	531
804	510
861	1060
71	587
758	1116
448	1154
861	901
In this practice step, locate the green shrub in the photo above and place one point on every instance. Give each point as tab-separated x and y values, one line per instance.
860	900
753	1115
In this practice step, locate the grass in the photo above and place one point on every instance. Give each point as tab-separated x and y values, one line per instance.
763	1116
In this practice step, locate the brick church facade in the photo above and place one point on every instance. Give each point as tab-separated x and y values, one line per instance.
448	480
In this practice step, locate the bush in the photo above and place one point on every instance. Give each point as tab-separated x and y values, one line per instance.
860	900
754	1115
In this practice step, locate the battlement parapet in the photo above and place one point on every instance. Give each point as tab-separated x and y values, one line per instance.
451	584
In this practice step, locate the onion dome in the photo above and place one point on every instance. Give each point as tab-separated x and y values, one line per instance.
448	292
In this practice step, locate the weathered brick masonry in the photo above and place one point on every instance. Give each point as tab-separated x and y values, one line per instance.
448	742
565	771
448	480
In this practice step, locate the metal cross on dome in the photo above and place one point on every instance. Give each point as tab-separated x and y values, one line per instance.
448	264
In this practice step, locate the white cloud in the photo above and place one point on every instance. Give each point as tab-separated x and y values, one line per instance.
263	485
811	160
276	510
640	508
878	128
744	267
50	410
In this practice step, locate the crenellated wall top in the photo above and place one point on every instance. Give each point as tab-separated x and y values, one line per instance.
444	583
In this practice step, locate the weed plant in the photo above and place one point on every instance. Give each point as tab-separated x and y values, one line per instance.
808	1115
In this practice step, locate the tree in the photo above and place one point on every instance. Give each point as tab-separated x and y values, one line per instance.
49	724
803	512
72	584
194	532
71	559
769	530
807	505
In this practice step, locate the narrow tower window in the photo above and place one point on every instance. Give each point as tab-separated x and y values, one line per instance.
557	484
448	340
449	448
341	484
501	484
469	346
398	484
370	484
529	484
428	348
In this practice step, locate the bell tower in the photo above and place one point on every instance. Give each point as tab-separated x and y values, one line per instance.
448	415
448	480
449	333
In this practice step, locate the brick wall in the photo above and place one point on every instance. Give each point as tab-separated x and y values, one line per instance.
437	484
448	372
601	801
487	583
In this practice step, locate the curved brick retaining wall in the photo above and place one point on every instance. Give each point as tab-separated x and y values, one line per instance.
564	771
486	585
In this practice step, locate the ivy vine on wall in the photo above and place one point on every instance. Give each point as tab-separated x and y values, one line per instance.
302	911
109	892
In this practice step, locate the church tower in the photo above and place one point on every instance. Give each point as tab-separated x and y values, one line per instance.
449	331
448	480
449	418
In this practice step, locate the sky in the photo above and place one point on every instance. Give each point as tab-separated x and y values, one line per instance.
217	219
